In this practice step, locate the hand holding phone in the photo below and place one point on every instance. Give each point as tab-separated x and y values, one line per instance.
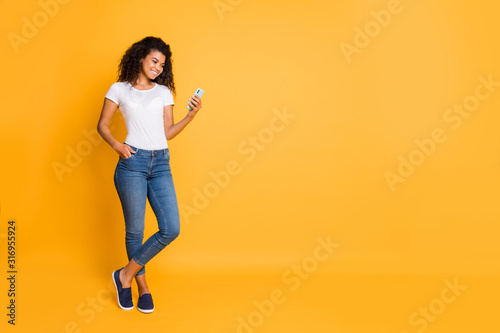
199	92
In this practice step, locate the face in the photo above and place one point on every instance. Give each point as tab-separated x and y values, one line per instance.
153	64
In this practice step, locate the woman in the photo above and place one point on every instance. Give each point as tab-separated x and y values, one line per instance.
144	94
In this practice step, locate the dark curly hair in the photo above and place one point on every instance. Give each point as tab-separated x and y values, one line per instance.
130	65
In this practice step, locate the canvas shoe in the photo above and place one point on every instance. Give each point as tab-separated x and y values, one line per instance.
124	294
145	304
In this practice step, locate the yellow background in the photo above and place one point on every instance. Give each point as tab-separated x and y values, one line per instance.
321	175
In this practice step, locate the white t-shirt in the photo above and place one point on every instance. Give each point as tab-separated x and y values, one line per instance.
143	113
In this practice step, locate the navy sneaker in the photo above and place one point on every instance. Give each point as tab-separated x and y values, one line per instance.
145	304
124	294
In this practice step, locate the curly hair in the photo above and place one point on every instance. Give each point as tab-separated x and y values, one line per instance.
130	64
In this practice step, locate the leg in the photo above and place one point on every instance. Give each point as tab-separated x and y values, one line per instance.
142	285
163	200
131	185
128	272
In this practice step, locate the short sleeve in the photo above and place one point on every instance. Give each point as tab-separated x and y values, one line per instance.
168	98
114	93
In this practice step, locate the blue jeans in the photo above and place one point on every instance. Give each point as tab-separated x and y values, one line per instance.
146	174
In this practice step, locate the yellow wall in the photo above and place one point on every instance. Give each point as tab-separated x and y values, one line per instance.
373	123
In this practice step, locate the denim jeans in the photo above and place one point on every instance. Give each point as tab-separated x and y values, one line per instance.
146	174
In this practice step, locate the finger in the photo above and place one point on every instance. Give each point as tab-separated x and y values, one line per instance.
196	100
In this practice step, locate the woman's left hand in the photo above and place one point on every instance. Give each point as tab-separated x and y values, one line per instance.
195	103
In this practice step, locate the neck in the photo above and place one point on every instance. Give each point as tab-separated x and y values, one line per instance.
143	81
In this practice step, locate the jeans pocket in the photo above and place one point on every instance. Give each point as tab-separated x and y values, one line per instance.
128	158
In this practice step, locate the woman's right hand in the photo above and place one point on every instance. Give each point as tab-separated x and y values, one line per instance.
108	109
124	150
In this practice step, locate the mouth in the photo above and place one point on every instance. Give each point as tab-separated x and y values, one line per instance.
155	72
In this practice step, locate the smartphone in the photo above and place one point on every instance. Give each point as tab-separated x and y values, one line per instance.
198	92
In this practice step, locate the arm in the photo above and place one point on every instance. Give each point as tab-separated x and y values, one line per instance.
108	109
171	129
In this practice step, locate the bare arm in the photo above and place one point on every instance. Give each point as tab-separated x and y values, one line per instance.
108	109
171	129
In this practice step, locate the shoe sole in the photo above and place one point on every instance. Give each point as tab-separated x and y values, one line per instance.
146	311
118	295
